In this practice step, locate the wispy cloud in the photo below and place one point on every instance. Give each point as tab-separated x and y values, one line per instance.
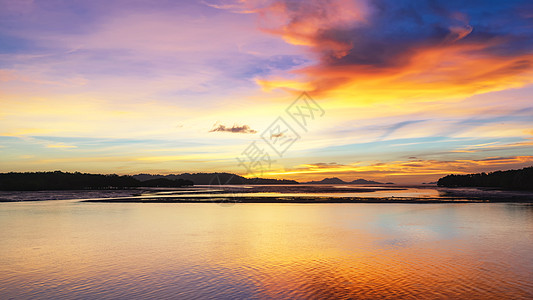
60	146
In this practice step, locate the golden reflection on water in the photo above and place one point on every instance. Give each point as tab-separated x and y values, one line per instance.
62	249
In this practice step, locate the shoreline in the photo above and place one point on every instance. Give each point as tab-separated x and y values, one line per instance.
308	200
277	194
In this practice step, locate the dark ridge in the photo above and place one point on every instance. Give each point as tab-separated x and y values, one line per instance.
32	181
57	180
215	179
335	180
164	182
512	179
364	181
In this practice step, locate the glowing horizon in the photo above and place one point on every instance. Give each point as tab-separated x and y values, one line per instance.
411	92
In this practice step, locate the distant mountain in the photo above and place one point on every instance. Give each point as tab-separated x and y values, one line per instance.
363	181
335	180
198	178
214	179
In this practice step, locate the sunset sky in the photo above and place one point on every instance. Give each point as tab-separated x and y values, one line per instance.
408	91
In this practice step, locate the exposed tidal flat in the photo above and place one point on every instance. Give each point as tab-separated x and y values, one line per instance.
301	193
71	248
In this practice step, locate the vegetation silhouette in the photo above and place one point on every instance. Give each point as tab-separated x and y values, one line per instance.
57	180
164	182
521	179
215	178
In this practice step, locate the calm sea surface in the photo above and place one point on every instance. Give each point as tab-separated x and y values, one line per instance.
70	249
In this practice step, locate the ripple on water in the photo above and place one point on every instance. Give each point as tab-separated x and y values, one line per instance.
265	251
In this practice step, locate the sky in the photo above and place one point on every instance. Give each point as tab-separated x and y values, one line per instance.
395	91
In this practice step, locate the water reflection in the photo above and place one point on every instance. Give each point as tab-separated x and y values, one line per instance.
57	249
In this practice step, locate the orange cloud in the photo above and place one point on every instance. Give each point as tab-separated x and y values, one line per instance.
300	23
364	55
428	74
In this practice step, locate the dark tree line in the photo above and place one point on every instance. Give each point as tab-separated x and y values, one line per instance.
33	181
164	182
215	179
513	179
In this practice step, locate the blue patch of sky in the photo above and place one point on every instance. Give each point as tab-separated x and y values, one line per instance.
426	144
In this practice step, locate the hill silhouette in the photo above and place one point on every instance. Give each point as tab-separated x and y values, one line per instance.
512	179
215	178
164	182
58	180
335	180
33	181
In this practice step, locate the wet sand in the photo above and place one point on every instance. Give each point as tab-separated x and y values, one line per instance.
323	194
280	194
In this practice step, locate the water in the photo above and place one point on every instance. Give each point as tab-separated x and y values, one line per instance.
237	192
71	249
